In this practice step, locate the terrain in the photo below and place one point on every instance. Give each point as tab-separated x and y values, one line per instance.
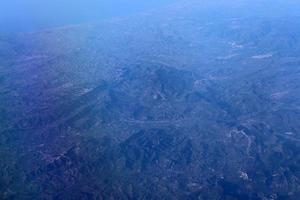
186	102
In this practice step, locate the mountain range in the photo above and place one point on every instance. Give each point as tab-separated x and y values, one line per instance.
196	100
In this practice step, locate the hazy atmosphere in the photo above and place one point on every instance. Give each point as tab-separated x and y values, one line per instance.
32	15
150	100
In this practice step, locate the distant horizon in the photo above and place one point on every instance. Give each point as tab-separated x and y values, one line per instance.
34	15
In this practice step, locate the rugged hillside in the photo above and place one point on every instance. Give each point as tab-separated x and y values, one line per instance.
181	103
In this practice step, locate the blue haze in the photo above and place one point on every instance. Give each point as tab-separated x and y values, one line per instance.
32	15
